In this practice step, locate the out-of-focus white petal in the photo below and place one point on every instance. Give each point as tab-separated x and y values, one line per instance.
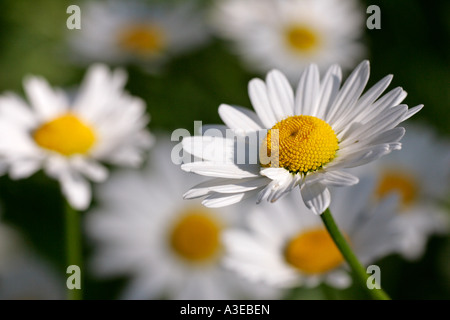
317	197
47	102
76	190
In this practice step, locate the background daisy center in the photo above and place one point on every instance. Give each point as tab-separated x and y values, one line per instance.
142	39
313	252
301	38
67	135
196	236
299	144
398	182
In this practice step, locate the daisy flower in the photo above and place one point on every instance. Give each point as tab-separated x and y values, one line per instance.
287	246
69	135
420	175
168	249
300	140
137	32
289	35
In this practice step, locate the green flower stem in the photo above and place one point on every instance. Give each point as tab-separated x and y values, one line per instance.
73	245
347	253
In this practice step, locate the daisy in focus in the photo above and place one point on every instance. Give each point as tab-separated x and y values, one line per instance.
289	35
169	249
138	32
301	140
68	137
286	246
420	176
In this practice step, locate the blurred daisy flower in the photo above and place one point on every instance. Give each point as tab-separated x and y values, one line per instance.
137	32
68	136
420	175
308	138
287	246
143	229
289	35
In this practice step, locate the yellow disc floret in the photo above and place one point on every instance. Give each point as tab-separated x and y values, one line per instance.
142	39
67	135
301	39
313	251
196	236
299	144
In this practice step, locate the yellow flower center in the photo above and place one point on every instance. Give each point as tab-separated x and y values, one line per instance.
299	144
66	135
313	252
196	236
142	39
398	182
301	39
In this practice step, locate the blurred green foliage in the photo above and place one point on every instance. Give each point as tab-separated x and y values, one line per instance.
412	44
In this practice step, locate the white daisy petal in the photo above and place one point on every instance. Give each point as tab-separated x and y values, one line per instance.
76	189
385	122
91	169
306	98
329	88
284	187
280	94
283	182
266	192
389	136
221	170
348	95
277	188
364	103
21	169
209	148
339	178
372	94
240	119
260	101
224	186
90	102
13	108
412	111
47	102
275	173
360	157
317	197
217	200
390	99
